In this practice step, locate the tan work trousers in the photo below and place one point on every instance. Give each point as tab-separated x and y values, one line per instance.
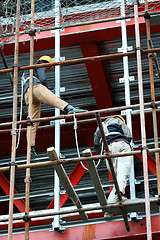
122	166
41	94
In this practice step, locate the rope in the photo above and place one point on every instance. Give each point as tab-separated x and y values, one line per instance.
76	139
20	118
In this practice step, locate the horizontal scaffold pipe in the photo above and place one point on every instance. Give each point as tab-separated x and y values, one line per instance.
67	124
66	25
52	212
81	60
73	160
84	114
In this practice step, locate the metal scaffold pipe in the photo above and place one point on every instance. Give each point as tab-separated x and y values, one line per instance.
29	127
127	94
14	124
65	25
56	221
85	114
142	121
155	127
74	160
81	60
52	212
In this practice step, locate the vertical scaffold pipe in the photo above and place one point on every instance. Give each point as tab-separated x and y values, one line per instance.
127	94
154	116
56	224
142	120
14	123
28	179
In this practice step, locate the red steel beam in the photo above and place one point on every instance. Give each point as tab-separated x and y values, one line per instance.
98	75
107	230
151	163
74	177
5	185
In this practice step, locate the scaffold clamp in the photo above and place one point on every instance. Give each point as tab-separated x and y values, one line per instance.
32	32
26	218
28	180
153	105
138	48
16	65
13	164
147	15
14	131
29	122
158	202
143	148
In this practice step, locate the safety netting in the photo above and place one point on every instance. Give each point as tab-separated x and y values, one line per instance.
70	11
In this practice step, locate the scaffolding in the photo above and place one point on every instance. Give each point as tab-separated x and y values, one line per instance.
121	207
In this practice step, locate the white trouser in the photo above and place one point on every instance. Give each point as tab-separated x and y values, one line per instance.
122	165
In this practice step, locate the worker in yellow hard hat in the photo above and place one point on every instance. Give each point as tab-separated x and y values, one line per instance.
118	137
41	94
119	117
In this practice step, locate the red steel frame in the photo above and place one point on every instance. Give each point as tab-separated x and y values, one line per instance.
87	50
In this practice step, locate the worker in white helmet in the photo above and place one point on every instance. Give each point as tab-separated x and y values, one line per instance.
118	137
41	94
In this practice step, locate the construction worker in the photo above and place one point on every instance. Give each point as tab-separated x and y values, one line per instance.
118	137
41	94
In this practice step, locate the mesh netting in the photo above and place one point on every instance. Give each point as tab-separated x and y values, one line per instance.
71	12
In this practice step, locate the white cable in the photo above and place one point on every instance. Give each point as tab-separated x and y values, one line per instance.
75	131
20	118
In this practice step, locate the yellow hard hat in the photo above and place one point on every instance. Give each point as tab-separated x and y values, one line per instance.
46	58
119	117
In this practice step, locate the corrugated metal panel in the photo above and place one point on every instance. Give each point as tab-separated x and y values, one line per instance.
115	68
74	78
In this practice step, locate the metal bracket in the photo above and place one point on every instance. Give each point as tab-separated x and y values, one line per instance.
134	217
129	48
59	229
62	121
61	59
122	80
62	89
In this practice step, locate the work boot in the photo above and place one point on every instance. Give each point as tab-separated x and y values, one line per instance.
33	151
70	109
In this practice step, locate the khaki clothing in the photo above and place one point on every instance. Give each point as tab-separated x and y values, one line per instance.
42	94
